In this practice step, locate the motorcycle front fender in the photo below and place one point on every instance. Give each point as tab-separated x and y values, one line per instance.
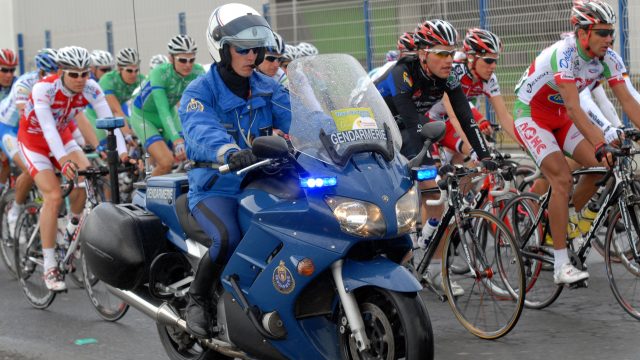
379	272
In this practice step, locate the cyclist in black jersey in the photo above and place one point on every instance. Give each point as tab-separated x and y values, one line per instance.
412	87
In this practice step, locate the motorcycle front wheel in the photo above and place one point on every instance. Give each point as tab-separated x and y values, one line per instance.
397	325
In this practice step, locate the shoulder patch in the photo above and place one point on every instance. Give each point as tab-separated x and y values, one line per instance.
195	105
407	79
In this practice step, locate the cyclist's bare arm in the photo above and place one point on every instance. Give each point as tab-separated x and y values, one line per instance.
571	97
116	108
629	104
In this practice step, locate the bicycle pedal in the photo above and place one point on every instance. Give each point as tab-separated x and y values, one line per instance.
579	285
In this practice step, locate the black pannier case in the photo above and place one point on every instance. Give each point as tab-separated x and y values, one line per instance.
119	243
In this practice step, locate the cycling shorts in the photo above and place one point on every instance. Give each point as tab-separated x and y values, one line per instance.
9	140
149	128
38	157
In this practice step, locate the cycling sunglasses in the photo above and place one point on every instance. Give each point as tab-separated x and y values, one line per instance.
488	60
244	51
105	69
271	58
77	74
131	71
186	60
604	32
441	53
8	70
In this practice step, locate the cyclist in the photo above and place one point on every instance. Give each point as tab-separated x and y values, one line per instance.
413	86
306	49
44	130
118	87
221	113
550	120
406	46
11	109
476	73
101	63
156	60
290	54
8	63
273	57
154	108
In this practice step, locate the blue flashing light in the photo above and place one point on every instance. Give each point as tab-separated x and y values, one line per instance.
426	173
320	182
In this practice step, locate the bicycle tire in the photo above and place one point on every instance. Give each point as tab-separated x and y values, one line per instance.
537	257
28	259
6	241
498	294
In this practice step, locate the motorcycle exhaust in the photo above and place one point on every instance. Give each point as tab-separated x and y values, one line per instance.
162	313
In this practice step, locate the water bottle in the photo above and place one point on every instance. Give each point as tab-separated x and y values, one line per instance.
72	225
427	231
587	215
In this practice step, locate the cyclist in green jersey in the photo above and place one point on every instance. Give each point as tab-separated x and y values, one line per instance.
154	118
118	86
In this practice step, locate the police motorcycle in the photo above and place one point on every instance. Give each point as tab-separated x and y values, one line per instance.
326	220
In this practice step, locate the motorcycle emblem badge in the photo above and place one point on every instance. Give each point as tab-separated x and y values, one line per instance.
283	281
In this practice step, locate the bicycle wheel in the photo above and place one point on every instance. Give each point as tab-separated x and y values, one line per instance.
6	241
75	271
624	274
29	261
494	292
537	256
108	306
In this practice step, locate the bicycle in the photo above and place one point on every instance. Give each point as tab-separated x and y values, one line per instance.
526	215
495	289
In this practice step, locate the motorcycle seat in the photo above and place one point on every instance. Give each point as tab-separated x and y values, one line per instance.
189	224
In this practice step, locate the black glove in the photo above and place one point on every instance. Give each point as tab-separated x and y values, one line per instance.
241	159
489	165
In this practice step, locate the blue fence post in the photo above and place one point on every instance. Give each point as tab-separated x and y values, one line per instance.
110	37
182	23
367	35
623	10
47	38
484	24
266	7
21	52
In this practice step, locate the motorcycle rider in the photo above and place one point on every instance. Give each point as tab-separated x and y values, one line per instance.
221	113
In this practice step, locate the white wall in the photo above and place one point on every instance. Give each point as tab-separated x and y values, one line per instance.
7	35
83	23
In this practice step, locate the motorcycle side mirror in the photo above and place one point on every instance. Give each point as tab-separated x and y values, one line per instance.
270	147
433	131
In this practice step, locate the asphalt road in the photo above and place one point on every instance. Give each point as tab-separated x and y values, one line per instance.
582	324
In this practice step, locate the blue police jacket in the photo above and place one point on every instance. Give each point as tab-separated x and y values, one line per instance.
216	122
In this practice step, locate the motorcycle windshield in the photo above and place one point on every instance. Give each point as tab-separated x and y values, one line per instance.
337	110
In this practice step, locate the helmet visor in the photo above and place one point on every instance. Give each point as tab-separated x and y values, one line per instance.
253	37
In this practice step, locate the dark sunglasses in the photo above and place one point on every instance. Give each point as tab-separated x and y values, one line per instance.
131	71
604	32
76	74
442	53
243	51
488	60
105	69
186	60
271	58
8	70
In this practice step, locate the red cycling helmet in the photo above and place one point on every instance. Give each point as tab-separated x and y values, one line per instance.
480	41
406	42
8	58
435	32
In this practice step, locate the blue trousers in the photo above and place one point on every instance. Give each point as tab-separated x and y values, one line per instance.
218	217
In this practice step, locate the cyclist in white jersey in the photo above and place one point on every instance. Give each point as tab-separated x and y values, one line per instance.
550	120
11	108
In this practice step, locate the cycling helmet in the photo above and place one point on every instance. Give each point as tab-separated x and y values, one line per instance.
391	55
157	60
290	52
480	41
588	13
101	58
8	58
280	45
182	44
46	60
127	56
306	49
73	57
241	26
406	42
435	32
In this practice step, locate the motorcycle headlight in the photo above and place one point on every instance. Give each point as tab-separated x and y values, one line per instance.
357	217
407	210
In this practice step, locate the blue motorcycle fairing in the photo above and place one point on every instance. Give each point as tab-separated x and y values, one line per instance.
160	198
379	272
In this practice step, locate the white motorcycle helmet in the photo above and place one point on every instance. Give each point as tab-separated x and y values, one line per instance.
238	25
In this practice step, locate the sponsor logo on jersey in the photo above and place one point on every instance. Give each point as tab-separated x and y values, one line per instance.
530	135
566	57
556	99
407	79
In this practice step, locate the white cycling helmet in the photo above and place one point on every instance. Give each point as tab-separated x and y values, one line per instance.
157	60
73	57
589	13
127	56
182	44
101	58
280	45
306	49
239	25
290	52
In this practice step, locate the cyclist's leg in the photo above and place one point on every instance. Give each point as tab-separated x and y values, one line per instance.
582	152
147	131
78	196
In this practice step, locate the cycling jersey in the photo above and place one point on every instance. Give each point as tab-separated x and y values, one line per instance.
4	91
154	108
410	93
19	95
46	125
378	72
111	83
